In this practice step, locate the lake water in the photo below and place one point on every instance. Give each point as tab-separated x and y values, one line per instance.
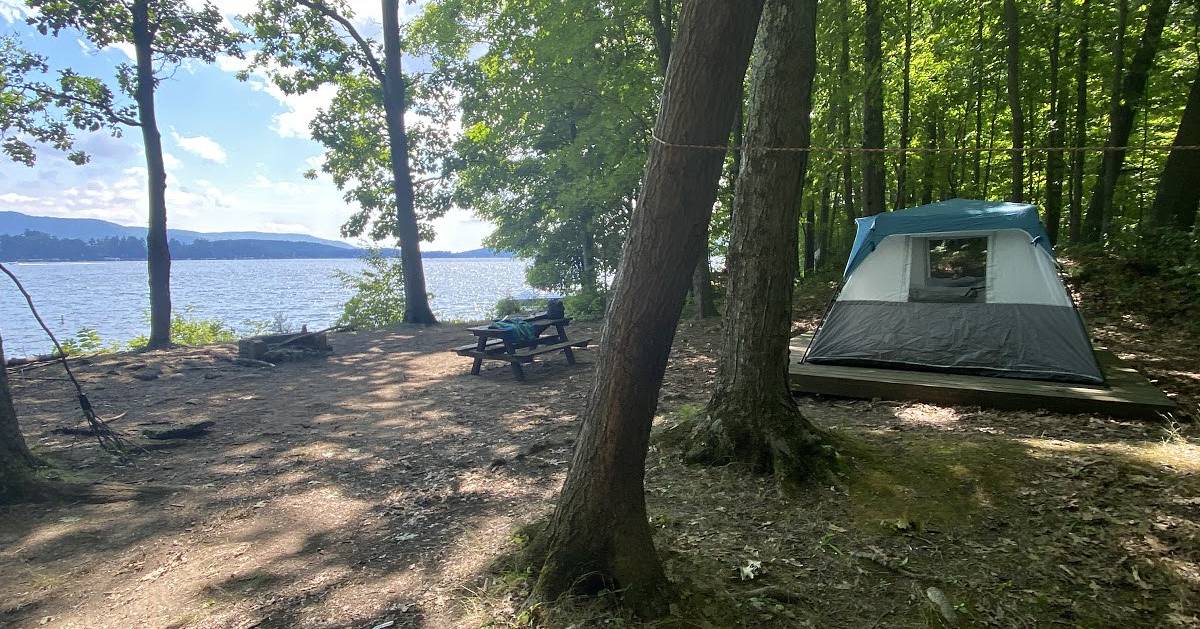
112	297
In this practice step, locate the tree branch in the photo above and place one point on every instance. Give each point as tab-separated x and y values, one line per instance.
108	110
327	11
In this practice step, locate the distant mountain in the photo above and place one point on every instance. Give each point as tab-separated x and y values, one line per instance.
40	238
16	223
473	253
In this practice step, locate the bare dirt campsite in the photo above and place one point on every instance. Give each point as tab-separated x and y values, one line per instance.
384	484
752	313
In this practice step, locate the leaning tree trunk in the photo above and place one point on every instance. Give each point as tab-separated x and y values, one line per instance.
1123	112
752	417
873	174
1054	159
599	535
1013	32
416	299
158	259
1080	136
16	462
1177	197
1100	205
703	297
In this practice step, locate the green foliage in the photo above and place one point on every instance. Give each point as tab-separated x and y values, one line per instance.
586	305
512	306
378	299
302	49
86	342
37	110
188	328
556	170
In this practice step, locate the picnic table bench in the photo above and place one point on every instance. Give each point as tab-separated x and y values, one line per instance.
499	344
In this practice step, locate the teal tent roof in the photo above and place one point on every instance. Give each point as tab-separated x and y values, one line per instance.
955	215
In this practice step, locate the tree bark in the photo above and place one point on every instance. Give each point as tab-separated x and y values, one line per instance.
873	168
1102	194
905	111
1177	196
1012	29
158	259
825	229
416	298
662	34
975	165
810	237
1078	159
16	462
1054	159
752	417
703	296
599	535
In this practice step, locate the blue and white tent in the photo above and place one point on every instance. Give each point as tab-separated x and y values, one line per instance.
960	286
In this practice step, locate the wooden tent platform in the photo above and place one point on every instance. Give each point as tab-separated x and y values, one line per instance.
1129	394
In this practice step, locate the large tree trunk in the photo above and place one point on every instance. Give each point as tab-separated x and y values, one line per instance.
1012	27
873	175
1177	197
599	535
16	462
1123	111
752	417
1078	160
703	297
1054	159
158	251
905	111
416	298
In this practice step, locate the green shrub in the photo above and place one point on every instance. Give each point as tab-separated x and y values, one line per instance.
586	305
378	300
513	306
86	342
189	329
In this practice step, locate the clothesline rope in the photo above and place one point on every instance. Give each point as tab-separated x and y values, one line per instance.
922	149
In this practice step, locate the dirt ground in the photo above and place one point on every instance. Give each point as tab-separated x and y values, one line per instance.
385	485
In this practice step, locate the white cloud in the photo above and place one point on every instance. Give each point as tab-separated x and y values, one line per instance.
201	146
13	10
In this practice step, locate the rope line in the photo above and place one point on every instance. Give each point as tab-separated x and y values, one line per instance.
108	439
922	149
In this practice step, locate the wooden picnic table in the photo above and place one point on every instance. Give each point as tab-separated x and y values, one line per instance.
499	344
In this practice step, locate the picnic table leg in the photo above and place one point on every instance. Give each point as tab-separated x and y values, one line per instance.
518	372
562	338
480	346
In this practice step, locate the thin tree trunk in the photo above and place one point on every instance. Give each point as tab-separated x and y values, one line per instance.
873	167
929	158
1105	187
1078	159
599	536
662	34
977	155
1054	159
1012	27
810	237
987	171
158	251
752	416
825	228
844	115
1177	196
905	110
416	298
16	462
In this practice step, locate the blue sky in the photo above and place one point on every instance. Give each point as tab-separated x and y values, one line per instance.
235	151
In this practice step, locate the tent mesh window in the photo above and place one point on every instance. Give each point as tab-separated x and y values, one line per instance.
955	270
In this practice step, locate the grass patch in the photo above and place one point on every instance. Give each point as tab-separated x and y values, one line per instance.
944	482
